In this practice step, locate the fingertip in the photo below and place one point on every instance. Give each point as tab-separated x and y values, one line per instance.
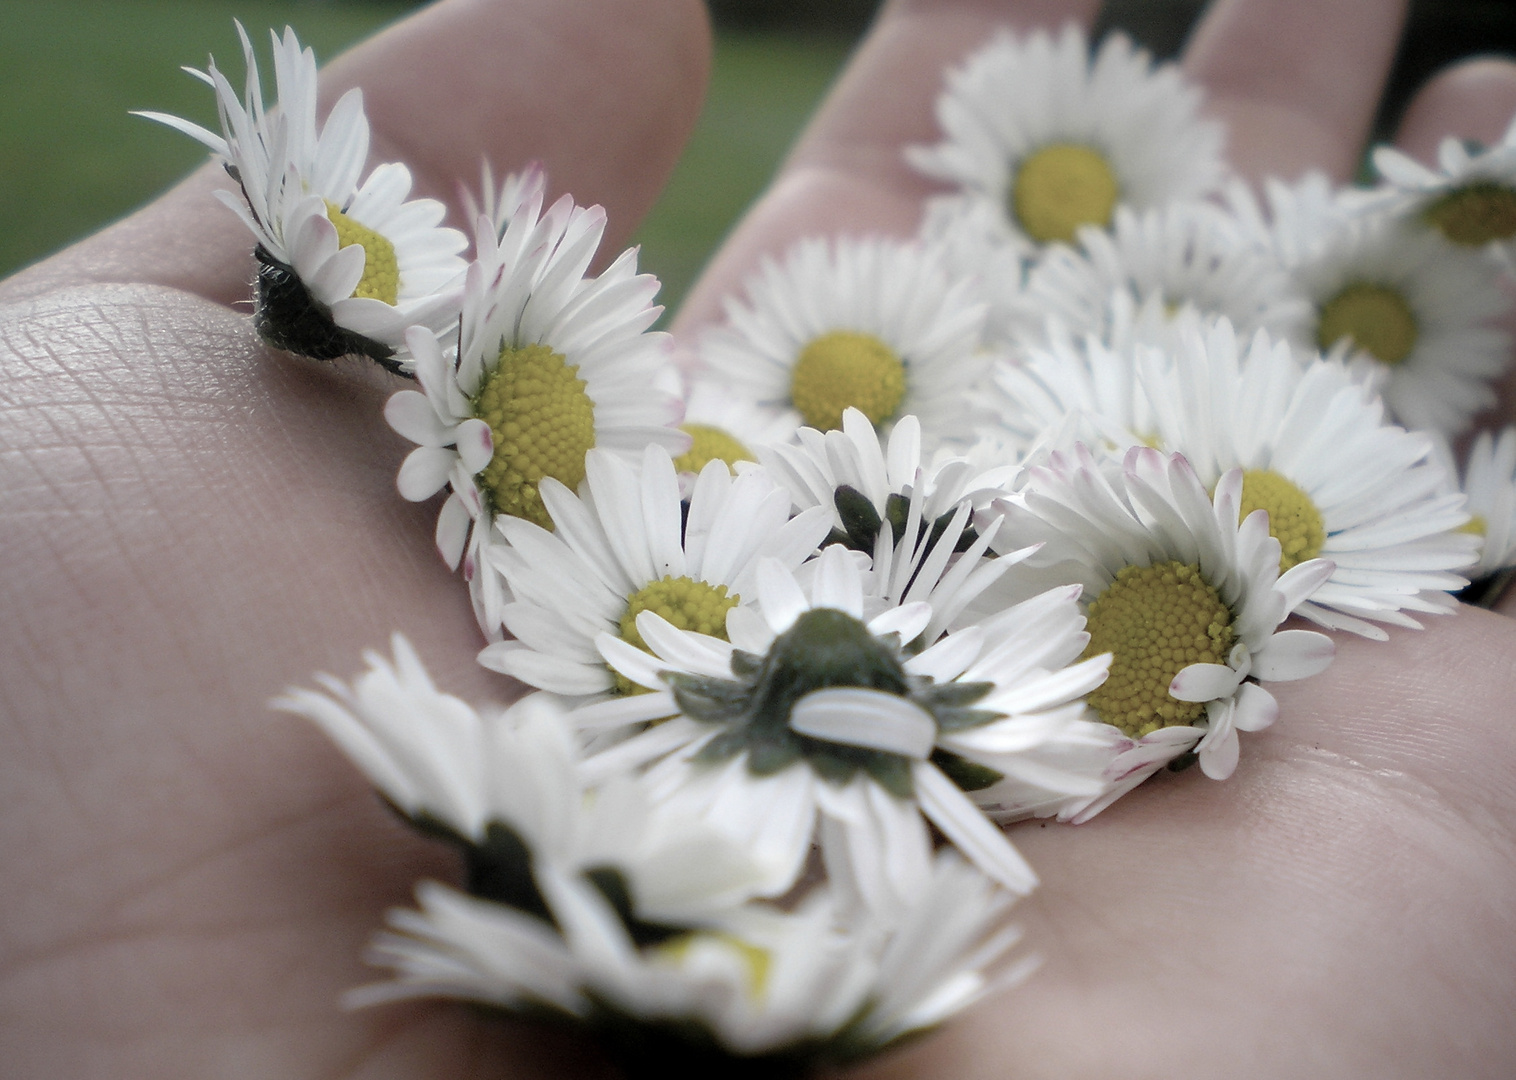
1472	99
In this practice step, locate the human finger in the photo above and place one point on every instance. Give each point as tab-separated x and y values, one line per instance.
1297	82
603	93
847	171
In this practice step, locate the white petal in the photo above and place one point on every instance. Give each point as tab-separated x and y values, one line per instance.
424	472
970	831
855	716
1293	654
1204	682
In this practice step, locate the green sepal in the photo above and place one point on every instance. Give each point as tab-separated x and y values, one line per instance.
859	518
968	775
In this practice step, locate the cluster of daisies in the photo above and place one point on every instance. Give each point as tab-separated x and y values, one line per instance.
931	535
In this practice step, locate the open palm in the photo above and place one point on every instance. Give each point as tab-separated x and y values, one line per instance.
193	522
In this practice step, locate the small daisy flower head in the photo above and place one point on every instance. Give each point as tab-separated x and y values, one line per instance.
1337	480
867	323
727	426
1489	482
1184	598
1054	140
507	789
346	264
1415	314
820	722
763	993
1181	257
549	365
1469	198
627	545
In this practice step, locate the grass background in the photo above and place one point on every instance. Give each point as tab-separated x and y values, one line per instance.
72	160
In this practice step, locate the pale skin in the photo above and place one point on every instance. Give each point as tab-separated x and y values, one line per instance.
193	523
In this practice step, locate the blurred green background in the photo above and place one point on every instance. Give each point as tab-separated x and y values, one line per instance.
71	159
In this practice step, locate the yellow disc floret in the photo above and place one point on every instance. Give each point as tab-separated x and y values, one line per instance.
1061	187
692	605
755	958
1155	621
710	444
1376	317
1293	518
1475	526
1475	215
381	270
543	424
843	369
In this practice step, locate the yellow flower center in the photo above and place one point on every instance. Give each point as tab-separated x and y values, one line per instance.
543	424
843	369
1376	317
1293	519
688	604
381	271
1475	215
1155	621
1475	526
756	959
1061	187
710	444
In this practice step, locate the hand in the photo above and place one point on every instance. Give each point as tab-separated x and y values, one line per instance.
194	523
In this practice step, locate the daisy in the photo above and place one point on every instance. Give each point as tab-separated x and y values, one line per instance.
931	551
822	984
549	365
508	790
1052	140
1414	313
1184	599
868	323
1336	479
344	266
1489	482
1470	198
970	234
815	712
727	426
628	545
1177	258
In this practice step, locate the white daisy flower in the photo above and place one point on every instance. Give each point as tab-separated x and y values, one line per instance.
1336	479
344	267
1489	482
1184	599
1414	313
507	789
549	365
816	986
725	425
1052	139
627	545
1179	258
817	712
869	323
1470	198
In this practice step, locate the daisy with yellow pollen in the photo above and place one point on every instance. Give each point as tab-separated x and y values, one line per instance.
1337	480
1489	482
345	267
870	323
549	365
1054	140
1470	198
726	426
626	545
1185	597
753	992
824	720
1415	315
